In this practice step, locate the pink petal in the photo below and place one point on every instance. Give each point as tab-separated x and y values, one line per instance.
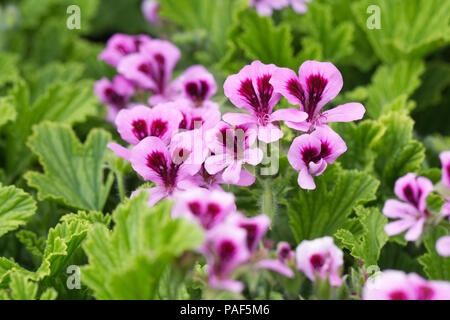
443	246
286	82
237	119
332	141
445	161
305	180
295	151
119	150
233	172
415	231
291	114
397	209
328	72
253	156
398	226
345	113
277	266
269	133
216	163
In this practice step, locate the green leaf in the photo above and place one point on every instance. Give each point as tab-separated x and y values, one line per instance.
30	240
8	68
73	172
66	102
261	40
49	294
392	85
16	207
361	139
435	266
7	111
128	262
367	245
7	267
323	211
62	242
22	288
409	29
334	38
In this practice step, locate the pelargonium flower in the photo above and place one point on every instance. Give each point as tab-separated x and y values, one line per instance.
251	90
284	252
299	6
412	213
443	246
152	69
205	117
150	10
320	257
139	122
171	169
310	154
121	45
208	208
316	85
232	149
445	161
115	94
397	285
266	7
225	249
197	84
255	227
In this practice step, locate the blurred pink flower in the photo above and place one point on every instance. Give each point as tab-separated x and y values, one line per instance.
121	45
150	10
412	213
266	7
197	85
397	285
320	257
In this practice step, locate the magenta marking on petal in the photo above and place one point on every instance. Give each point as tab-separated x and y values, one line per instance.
265	90
260	104
252	230
325	150
447	169
409	194
294	87
157	162
158	128
425	293
195	208
310	154
226	252
233	140
114	98
316	85
398	295
317	261
140	129
197	92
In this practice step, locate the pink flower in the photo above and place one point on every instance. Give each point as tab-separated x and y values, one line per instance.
320	257
231	150
443	246
115	94
284	252
152	69
255	227
141	121
213	181
266	7
171	169
251	90
310	154
317	84
197	85
445	161
150	10
205	117
225	249
208	208
299	6
120	46
413	212
397	285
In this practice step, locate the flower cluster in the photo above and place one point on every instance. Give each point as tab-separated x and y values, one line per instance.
233	242
412	213
266	7
397	285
